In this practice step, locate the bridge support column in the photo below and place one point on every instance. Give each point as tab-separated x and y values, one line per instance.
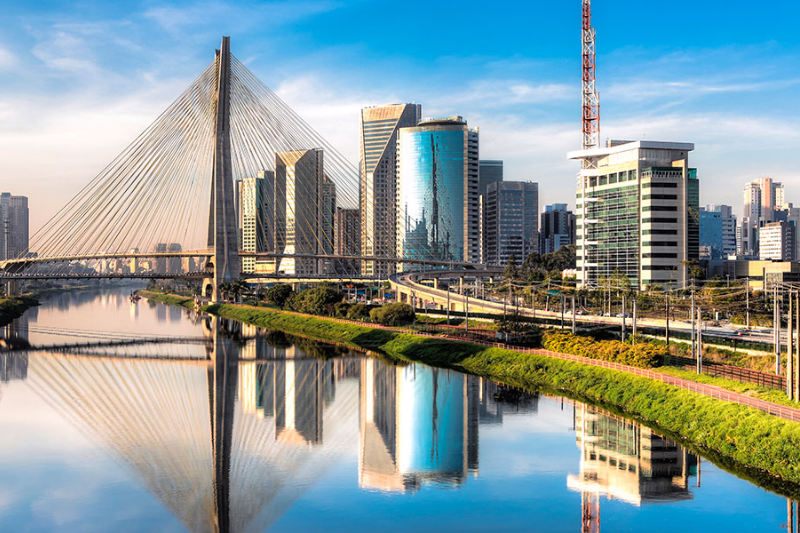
209	290
12	288
222	224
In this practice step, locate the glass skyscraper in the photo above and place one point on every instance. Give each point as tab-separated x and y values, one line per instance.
437	208
379	126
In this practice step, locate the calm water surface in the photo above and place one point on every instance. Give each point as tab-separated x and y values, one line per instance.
216	427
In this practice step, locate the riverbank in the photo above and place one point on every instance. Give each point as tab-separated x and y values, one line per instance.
765	446
13	307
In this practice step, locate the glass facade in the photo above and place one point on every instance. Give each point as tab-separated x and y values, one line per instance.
378	215
434	191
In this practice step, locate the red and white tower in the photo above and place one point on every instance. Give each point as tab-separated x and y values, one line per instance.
591	101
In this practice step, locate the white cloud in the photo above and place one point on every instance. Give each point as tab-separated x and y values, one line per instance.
7	59
175	19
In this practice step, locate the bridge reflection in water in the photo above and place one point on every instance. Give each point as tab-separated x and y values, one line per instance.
231	440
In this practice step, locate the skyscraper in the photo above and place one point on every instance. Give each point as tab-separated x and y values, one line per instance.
638	213
763	198
252	208
710	234
437	165
728	227
490	171
378	195
14	225
299	183
557	228
511	211
777	241
347	229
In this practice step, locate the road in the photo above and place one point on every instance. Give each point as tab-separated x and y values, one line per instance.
427	295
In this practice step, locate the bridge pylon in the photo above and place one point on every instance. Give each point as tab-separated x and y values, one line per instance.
223	235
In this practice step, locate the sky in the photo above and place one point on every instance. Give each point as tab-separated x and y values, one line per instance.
81	79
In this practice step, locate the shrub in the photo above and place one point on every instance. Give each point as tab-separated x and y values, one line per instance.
643	355
278	294
357	312
318	301
341	309
393	314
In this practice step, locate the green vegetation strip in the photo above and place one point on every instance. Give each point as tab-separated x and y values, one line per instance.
750	438
13	307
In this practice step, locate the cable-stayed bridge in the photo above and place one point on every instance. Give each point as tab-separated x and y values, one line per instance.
227	182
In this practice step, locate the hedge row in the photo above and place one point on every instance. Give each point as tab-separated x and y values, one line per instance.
644	355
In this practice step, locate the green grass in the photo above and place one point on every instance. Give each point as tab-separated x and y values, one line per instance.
170	299
764	447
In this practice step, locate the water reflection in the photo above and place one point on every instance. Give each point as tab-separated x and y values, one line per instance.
231	431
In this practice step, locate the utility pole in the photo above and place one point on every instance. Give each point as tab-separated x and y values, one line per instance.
466	311
562	311
777	329
747	323
789	350
691	314
699	341
623	317
667	295
634	319
573	314
448	303
797	366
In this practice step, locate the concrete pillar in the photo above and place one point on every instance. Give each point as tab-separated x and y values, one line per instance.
12	288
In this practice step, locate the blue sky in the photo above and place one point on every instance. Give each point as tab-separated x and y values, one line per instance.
81	80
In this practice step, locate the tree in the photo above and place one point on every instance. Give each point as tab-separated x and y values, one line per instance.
511	272
317	301
393	314
357	312
278	294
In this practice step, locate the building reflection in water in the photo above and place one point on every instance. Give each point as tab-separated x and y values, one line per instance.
625	461
420	424
230	440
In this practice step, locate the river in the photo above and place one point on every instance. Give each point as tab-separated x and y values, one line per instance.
162	420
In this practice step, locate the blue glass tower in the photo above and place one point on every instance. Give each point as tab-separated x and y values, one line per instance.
437	195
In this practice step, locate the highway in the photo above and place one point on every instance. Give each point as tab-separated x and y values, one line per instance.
431	298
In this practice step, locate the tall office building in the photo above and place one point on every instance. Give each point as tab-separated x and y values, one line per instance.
437	165
14	225
772	197
637	213
174	263
347	238
728	227
490	171
326	221
300	199
777	242
511	211
763	199
378	195
557	228
251	203
710	234
161	262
